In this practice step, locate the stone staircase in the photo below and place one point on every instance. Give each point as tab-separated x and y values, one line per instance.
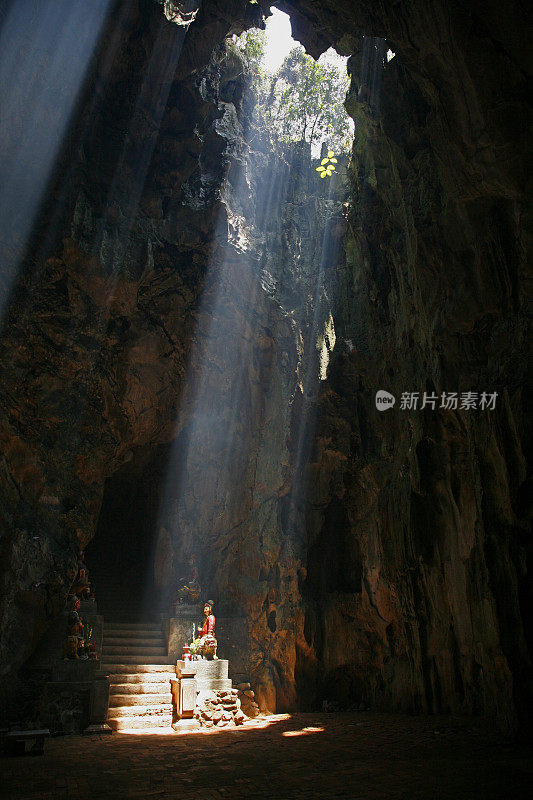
134	655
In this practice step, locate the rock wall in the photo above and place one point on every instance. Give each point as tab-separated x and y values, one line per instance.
104	311
147	248
418	533
168	299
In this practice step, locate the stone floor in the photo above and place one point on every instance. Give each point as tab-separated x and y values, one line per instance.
331	756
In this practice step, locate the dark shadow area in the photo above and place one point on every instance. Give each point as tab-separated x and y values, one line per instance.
122	557
370	756
335	559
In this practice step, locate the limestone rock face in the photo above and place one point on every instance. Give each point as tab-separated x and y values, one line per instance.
175	309
417	530
148	249
102	318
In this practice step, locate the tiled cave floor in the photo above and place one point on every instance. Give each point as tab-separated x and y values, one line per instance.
343	755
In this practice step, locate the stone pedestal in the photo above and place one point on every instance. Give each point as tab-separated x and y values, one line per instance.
209	675
99	706
194	680
184	691
75	699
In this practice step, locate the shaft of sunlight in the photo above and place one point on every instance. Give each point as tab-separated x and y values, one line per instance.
311	377
45	51
224	409
221	454
44	62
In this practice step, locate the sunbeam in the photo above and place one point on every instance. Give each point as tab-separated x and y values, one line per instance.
311	376
229	411
263	389
44	59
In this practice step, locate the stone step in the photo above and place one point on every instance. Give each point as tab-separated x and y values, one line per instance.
140	687
140	679
148	625
145	699
133	642
139	652
129	668
129	622
126	620
116	602
129	625
113	599
139	643
133	613
141	725
114	654
119	637
144	711
132	659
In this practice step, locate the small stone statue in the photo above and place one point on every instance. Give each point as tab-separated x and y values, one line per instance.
82	586
74	646
189	590
205	645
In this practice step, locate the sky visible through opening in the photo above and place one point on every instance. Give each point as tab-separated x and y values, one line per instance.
279	40
279	43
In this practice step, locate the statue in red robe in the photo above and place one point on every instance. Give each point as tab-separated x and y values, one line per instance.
209	622
206	644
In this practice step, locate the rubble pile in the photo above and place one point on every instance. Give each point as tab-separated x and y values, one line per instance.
246	696
220	707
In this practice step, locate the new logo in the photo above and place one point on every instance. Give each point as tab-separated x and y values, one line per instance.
384	400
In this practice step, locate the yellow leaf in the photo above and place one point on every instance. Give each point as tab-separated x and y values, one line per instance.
334	161
324	161
323	175
320	169
330	153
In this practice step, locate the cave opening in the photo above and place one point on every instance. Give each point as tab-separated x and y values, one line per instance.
128	572
297	98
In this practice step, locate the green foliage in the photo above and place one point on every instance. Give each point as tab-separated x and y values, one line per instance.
302	101
252	47
307	101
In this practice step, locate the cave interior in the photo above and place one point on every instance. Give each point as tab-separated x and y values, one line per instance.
195	327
